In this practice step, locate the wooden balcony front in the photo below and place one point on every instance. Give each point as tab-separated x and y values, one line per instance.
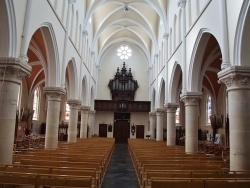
122	106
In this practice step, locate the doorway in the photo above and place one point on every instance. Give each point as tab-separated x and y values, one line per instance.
121	131
140	131
103	130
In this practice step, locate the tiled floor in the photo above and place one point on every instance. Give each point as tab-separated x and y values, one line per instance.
120	172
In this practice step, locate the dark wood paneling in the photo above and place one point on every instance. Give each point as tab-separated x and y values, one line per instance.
103	130
122	106
121	131
139	131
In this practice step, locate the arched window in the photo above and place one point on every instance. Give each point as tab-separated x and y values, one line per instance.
177	116
36	100
208	108
67	112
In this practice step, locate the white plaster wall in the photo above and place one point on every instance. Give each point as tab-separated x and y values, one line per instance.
140	118
105	118
109	63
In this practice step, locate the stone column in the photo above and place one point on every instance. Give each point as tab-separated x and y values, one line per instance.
66	39
191	101
84	121
72	130
54	95
11	73
91	122
152	122
171	129
165	37
237	81
224	34
85	36
182	4
159	124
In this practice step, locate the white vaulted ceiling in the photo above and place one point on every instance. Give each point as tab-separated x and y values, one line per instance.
139	26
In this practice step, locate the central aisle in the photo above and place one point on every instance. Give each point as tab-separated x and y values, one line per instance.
120	172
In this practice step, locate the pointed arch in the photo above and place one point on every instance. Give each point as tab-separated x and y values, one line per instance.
196	60
71	74
162	93
153	100
171	42
52	56
175	34
77	30
175	84
179	26
242	39
92	99
84	90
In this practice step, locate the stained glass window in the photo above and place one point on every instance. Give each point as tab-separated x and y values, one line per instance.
209	108
177	116
124	52
67	112
36	103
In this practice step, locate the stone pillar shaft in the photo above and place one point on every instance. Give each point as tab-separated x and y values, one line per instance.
191	101
152	121
91	122
84	121
238	87
54	95
171	129
11	73
72	131
159	124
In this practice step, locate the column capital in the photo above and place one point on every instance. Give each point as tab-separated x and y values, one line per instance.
156	55
85	108
91	112
235	77
160	111
23	58
191	98
74	103
152	114
171	107
182	3
165	36
13	69
54	93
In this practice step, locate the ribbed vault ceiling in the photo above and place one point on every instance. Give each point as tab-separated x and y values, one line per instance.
112	24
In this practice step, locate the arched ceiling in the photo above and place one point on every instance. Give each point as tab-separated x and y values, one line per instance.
113	25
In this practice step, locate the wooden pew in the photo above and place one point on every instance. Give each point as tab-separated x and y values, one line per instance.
160	183
52	164
200	183
237	183
64	181
93	174
19	179
56	171
146	182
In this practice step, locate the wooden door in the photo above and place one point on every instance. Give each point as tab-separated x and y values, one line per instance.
103	130
140	131
121	131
